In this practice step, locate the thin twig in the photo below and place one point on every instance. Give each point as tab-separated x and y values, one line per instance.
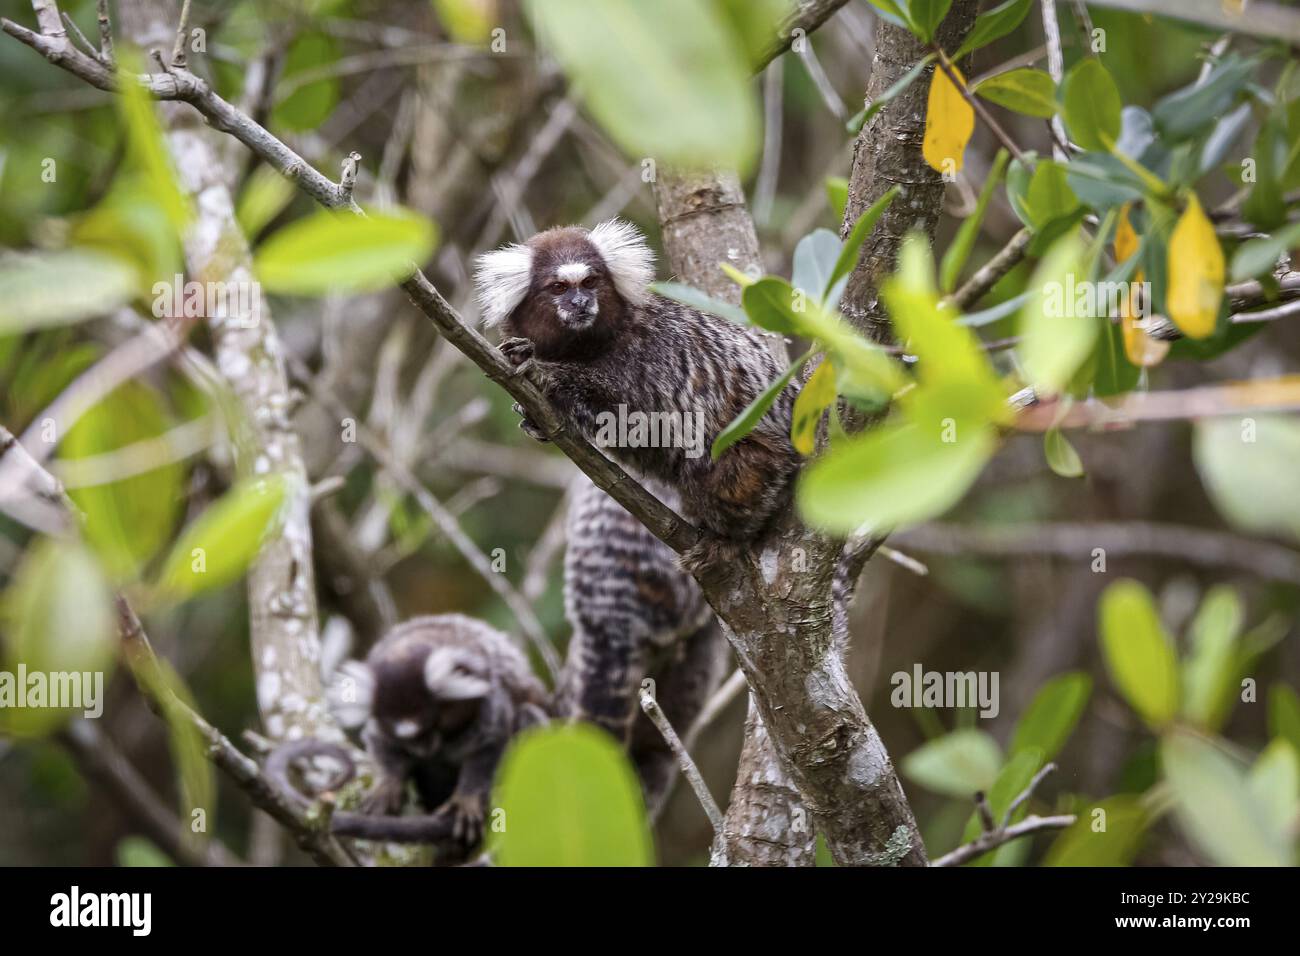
1007	258
719	701
995	834
182	27
1055	67
689	770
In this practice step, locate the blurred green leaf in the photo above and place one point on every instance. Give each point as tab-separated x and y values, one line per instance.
126	521
1258	257
926	15
837	194
993	24
1110	837
58	619
1209	668
1054	340
960	248
896	474
329	252
1248	468
264	197
1275	783
1284	714
814	263
146	149
220	544
1216	808
468	21
1139	655
308	104
770	304
1060	454
1027	91
1052	715
1012	780
1202	102
43	289
958	764
568	797
139	851
668	80
1092	105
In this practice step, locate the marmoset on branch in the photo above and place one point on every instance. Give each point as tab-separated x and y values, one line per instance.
577	307
441	696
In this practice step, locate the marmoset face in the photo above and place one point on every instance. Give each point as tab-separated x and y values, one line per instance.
576	289
424	699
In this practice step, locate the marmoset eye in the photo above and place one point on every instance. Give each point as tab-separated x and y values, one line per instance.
557	287
589	282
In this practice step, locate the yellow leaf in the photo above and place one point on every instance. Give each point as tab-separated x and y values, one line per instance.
1126	240
949	122
817	393
1196	273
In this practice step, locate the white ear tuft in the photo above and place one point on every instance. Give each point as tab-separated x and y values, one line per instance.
447	679
501	281
627	257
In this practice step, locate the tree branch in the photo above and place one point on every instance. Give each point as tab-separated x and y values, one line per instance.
996	834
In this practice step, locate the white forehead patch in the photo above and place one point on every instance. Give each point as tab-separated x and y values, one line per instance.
501	281
573	271
628	258
448	679
406	729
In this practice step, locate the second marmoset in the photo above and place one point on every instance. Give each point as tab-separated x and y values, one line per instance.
577	305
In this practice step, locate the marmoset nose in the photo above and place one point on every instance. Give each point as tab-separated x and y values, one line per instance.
580	301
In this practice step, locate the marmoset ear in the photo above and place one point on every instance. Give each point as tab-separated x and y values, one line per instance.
501	280
448	678
628	258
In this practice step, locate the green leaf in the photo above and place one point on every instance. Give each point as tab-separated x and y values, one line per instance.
1201	103
1060	454
959	251
221	543
146	149
958	764
993	24
129	520
1248	468
813	399
266	195
1275	783
865	115
814	261
45	289
1139	655
308	104
893	11
58	619
1054	341
852	247
701	301
1216	807
837	194
926	15
770	304
755	410
139	851
1010	783
948	354
1258	257
1027	91
1049	196
895	475
668	80
1284	714
329	252
1107	833
1211	661
1092	105
1052	715
568	797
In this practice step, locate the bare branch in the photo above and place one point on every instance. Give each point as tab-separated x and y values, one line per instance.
689	770
806	17
988	275
996	834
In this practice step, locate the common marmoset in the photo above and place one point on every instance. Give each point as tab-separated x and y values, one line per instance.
577	304
441	697
635	615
